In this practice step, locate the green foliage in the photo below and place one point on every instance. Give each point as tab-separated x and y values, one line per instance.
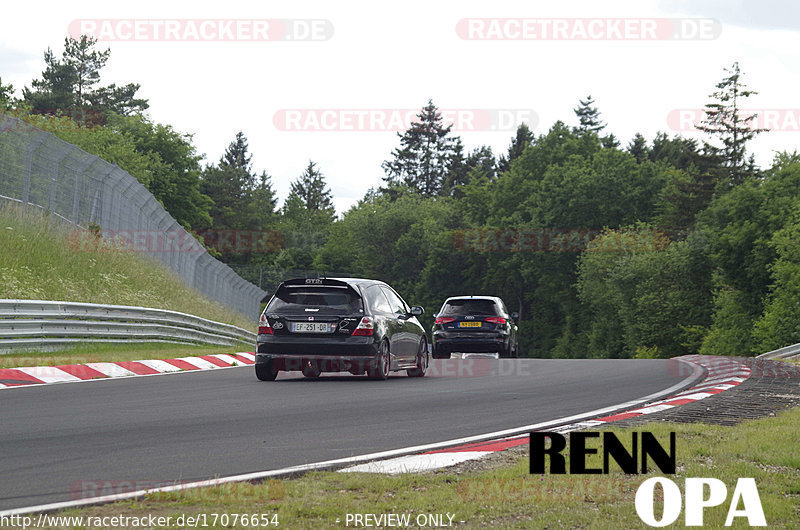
241	199
645	293
780	323
724	117
733	319
175	174
106	143
66	85
310	200
588	116
741	227
684	262
6	94
426	156
523	139
159	157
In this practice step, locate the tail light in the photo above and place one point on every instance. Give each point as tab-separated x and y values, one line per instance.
495	320
263	326
365	328
444	320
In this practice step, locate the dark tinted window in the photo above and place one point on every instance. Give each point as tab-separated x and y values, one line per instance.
326	299
470	307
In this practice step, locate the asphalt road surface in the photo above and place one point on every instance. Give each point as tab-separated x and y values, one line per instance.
57	439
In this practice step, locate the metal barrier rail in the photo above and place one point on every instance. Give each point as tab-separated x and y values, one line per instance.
787	352
42	324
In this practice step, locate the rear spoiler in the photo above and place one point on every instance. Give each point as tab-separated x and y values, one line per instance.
304	283
307	282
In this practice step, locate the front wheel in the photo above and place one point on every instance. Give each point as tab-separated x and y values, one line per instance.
380	369
266	372
422	361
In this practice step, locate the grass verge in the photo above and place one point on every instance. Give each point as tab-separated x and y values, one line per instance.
96	353
508	497
42	259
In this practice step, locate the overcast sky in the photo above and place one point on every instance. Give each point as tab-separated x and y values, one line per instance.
380	57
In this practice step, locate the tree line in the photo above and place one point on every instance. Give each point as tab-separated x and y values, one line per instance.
656	248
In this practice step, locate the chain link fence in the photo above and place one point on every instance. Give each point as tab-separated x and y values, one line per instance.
41	170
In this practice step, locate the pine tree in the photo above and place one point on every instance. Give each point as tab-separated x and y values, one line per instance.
264	197
67	85
521	140
426	155
86	62
119	100
55	90
479	163
457	171
588	117
638	148
609	142
230	184
311	194
724	118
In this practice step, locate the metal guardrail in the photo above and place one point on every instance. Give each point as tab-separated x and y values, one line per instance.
787	352
42	324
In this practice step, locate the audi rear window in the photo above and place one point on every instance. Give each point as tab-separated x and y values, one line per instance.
326	300
470	307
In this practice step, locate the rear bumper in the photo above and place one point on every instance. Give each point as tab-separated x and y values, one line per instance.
293	352
448	342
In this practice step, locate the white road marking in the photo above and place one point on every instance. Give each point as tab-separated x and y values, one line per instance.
415	463
198	362
49	374
110	369
160	366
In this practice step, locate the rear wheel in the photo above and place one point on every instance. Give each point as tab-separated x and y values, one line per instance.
266	372
422	361
380	369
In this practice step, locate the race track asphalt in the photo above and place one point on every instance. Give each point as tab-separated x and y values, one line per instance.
57	441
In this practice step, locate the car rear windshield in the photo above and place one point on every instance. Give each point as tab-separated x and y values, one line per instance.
326	299
470	307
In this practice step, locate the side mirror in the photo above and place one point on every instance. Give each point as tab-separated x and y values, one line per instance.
417	310
435	315
515	316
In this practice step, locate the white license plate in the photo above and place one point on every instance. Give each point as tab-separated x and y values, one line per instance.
312	327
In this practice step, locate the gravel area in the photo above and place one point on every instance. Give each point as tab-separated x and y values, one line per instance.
773	386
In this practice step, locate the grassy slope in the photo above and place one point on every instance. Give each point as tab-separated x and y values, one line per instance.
103	352
40	260
508	497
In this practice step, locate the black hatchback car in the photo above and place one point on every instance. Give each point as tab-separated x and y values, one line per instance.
474	324
339	324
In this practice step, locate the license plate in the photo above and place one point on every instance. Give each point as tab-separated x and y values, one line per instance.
469	324
312	327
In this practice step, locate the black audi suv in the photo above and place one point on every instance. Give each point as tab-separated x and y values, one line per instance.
474	324
339	324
